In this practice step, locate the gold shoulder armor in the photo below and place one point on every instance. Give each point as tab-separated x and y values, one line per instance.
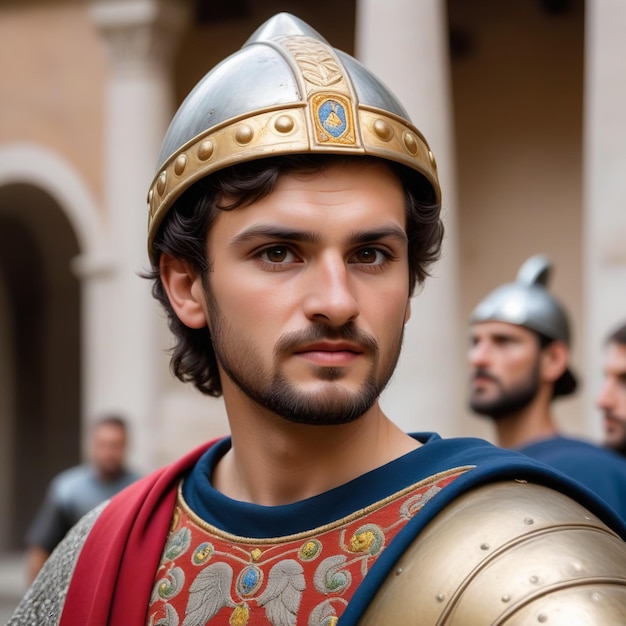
507	554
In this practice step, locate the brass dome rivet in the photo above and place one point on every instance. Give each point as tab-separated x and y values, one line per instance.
205	150
383	130
179	164
244	134
529	521
542	617
410	142
534	579
440	597
431	158
161	183
506	598
284	124
399	571
150	194
484	546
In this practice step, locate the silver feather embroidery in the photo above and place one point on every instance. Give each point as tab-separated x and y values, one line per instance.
283	593
209	593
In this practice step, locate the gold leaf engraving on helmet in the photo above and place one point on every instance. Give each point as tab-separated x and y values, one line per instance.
319	68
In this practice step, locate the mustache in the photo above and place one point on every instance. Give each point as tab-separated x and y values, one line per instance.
481	372
320	332
614	417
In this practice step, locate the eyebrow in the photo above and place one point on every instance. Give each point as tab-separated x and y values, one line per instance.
266	231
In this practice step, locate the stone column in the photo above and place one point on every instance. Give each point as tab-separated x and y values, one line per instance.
405	43
604	188
140	36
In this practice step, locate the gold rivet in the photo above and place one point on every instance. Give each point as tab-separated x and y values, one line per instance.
284	124
506	598
205	150
244	134
542	618
383	130
410	142
484	546
179	165
161	183
440	597
431	158
529	521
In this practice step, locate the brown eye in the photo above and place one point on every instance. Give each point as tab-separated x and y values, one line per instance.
369	256
278	255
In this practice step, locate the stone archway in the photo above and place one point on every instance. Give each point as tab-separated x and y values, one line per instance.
47	221
42	326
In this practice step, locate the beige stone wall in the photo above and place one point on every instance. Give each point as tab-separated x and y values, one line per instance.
52	73
518	93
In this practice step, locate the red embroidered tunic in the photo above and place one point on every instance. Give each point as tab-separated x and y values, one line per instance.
209	576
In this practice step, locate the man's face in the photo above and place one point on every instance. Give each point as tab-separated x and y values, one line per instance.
612	398
505	368
308	293
108	449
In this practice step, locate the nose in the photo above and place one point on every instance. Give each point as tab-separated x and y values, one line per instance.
330	296
478	354
604	400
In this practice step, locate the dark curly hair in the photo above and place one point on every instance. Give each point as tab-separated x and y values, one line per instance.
183	235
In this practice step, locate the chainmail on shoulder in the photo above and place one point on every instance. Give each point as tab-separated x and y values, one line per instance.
42	604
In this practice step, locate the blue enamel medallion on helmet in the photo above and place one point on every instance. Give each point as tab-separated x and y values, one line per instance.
332	117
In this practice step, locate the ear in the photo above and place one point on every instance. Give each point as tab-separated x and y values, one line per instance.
554	361
184	291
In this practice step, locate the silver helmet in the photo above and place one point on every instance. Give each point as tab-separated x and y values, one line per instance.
528	303
286	91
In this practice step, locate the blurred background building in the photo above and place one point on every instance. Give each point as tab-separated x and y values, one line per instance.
522	101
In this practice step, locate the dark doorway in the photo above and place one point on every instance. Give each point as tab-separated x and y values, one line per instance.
40	352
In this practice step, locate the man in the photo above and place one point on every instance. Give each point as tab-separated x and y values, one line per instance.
519	356
294	211
612	398
75	491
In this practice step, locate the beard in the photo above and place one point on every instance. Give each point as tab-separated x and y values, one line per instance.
332	403
618	444
507	401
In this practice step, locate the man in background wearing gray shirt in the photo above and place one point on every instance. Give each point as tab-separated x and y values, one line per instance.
77	490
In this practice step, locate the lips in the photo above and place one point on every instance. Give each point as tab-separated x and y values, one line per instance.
330	353
330	346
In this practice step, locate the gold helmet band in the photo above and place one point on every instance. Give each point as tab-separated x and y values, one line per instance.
287	91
